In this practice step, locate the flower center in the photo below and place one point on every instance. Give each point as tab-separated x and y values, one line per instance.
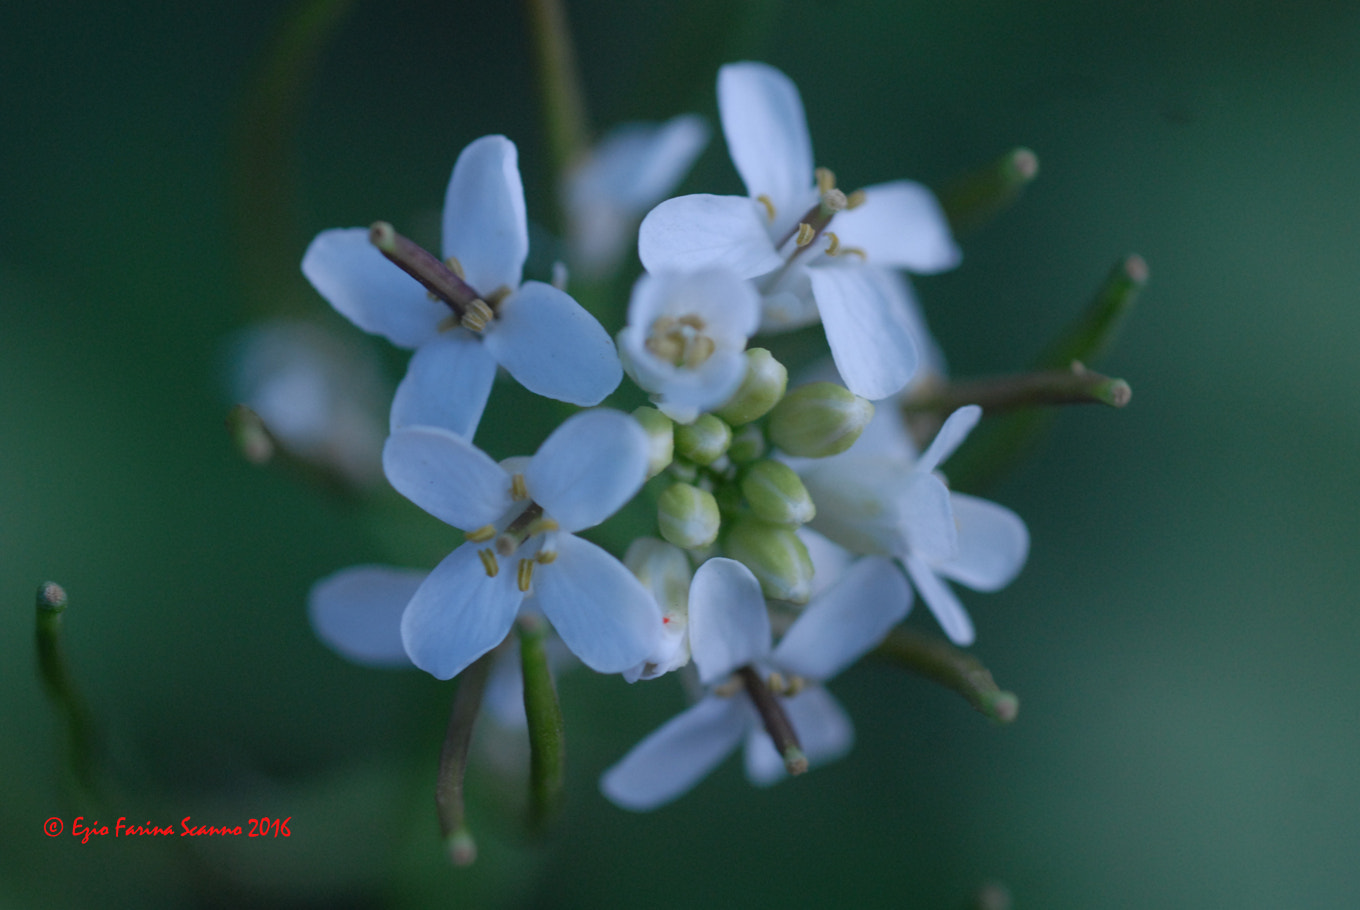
529	523
680	342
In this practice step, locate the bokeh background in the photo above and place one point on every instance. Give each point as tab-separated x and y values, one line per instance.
1182	639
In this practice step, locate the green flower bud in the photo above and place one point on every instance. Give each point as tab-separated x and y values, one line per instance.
688	516
748	444
760	390
817	420
703	441
776	494
660	431
775	556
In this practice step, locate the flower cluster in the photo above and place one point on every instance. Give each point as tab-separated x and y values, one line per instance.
792	518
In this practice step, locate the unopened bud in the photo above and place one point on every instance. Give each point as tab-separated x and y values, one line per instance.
688	516
775	556
760	390
776	494
820	419
748	444
660	431
704	440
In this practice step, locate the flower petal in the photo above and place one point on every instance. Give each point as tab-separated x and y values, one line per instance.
857	504
459	613
485	225
357	612
993	544
900	225
927	521
942	601
704	231
824	731
728	624
368	290
601	611
846	621
869	334
447	476
447	384
955	430
829	560
636	164
676	756
766	131
553	347
588	468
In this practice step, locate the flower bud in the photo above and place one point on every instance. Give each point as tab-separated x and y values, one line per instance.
818	420
776	495
759	391
688	516
748	444
704	440
660	438
775	556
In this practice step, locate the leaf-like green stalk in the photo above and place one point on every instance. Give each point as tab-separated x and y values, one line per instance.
547	737
936	659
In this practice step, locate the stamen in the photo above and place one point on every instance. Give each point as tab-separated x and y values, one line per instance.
805	234
855	199
476	317
776	683
518	530
826	180
456	267
776	722
729	688
795	685
834	201
854	251
693	321
542	526
482	534
452	321
769	205
519	490
700	348
525	574
496	296
834	243
545	557
489	563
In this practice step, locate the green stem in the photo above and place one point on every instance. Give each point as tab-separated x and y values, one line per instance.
61	688
976	198
1077	385
547	736
559	83
448	793
940	661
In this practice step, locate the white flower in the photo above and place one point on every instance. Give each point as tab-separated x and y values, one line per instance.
539	334
664	569
627	172
730	629
520	516
879	498
685	336
814	251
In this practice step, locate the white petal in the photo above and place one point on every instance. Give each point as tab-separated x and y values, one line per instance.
829	560
869	335
824	733
846	621
588	468
927	520
447	476
601	611
636	164
857	503
766	131
728	624
900	225
447	384
942	601
993	544
459	613
728	306
955	430
553	347
485	225
357	612
703	231
368	290
675	757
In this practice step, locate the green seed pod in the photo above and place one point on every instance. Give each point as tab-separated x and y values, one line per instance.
776	494
817	420
660	431
760	390
704	440
688	516
775	556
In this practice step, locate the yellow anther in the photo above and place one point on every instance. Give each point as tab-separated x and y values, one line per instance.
545	557
525	574
805	234
456	267
694	322
834	243
826	180
542	526
448	322
855	199
729	688
776	683
769	205
482	534
519	490
496	296
489	563
700	348
834	201
680	342
477	315
795	685
854	251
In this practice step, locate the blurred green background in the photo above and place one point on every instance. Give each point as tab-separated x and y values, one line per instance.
1182	639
